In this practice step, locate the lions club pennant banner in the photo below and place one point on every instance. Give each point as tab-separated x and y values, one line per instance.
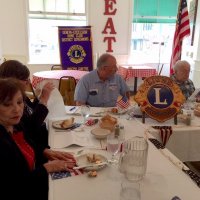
75	47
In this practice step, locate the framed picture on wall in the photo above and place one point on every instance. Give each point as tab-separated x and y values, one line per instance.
193	4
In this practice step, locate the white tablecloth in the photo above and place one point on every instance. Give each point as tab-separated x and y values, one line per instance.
163	179
184	142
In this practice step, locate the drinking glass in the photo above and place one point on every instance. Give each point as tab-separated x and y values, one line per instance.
130	190
134	162
85	112
113	146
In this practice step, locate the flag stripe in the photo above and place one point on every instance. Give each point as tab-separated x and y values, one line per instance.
123	103
182	30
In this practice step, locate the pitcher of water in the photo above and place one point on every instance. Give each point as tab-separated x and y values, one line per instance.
133	161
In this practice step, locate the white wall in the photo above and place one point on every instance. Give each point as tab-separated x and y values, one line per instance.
14	35
13	31
196	51
121	21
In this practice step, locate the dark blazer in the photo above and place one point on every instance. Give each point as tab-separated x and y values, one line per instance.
16	180
37	114
34	116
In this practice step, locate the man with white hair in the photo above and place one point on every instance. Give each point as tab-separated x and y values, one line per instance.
102	86
181	78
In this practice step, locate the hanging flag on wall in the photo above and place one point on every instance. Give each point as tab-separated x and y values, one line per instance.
182	30
75	45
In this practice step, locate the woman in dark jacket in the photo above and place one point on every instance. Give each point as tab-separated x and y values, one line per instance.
34	112
22	177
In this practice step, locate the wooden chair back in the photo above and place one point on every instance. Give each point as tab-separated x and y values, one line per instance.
56	67
67	85
30	91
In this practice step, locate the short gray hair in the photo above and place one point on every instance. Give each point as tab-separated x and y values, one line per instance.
102	61
180	64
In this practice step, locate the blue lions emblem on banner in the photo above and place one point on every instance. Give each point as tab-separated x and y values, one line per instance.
75	44
76	54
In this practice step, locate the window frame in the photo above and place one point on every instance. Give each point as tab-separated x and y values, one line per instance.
50	15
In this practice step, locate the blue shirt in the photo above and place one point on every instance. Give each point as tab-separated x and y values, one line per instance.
97	93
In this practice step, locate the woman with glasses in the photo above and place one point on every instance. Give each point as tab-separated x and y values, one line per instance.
23	176
34	112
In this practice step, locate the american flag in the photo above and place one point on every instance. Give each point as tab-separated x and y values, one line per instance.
123	103
59	175
182	30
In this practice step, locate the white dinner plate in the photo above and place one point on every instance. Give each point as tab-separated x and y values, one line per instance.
82	161
119	111
100	133
57	125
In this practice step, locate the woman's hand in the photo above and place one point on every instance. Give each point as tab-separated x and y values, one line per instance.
45	93
58	166
58	155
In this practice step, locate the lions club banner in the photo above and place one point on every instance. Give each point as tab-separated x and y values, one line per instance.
75	47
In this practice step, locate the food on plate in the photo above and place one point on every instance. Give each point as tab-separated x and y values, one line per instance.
109	119
93	158
114	110
92	173
197	107
91	161
197	110
66	123
108	122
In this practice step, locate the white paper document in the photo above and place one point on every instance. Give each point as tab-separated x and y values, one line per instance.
71	109
65	139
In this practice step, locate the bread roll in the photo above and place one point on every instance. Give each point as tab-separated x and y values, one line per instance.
109	119
67	123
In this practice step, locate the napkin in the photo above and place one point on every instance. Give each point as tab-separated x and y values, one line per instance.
59	175
71	109
55	105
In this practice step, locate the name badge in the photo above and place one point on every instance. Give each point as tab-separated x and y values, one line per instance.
93	92
112	86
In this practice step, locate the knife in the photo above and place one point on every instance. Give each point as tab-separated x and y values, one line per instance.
90	165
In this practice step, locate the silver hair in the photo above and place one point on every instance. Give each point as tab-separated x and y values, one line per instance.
102	61
180	64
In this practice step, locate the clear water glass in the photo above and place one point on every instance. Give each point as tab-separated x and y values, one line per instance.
85	112
113	146
130	190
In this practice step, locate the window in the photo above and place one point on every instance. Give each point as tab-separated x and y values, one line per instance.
44	18
153	30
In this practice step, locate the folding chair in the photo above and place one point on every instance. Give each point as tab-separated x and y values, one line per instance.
67	85
56	67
